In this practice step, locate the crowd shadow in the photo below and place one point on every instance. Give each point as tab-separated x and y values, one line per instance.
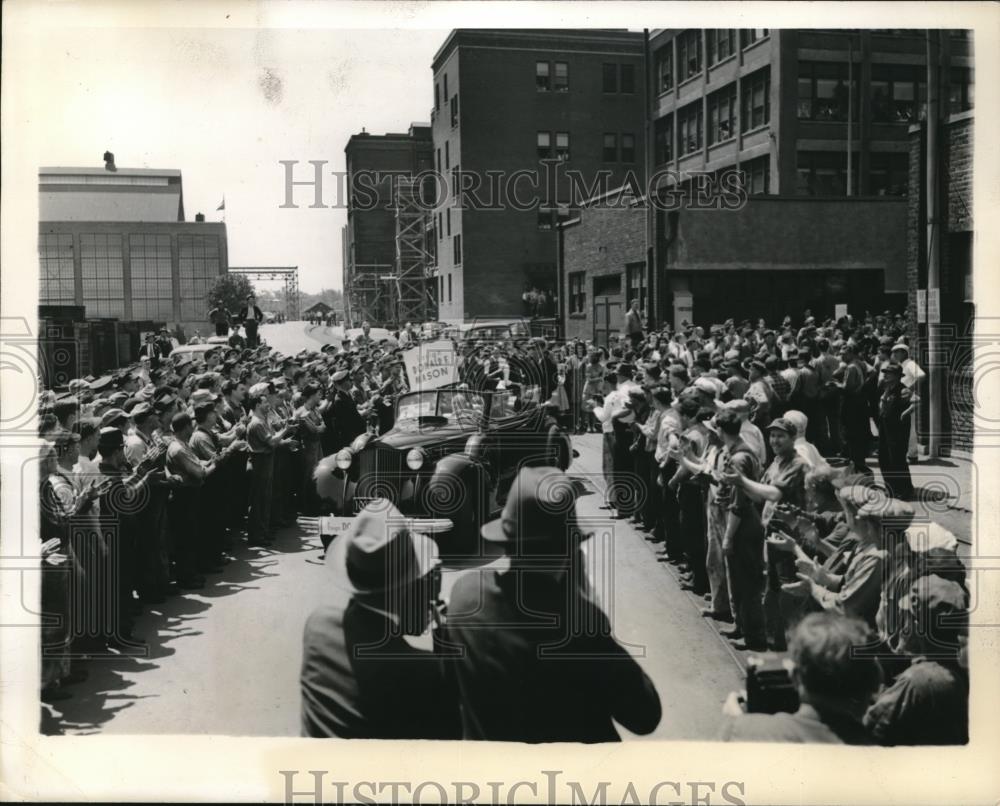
98	699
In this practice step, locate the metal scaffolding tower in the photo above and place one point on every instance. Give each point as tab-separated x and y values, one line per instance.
290	276
413	299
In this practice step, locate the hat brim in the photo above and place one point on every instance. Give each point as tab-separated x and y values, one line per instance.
425	548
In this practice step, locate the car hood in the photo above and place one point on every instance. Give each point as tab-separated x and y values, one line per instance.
409	435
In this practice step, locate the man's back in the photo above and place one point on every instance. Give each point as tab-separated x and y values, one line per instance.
359	682
537	678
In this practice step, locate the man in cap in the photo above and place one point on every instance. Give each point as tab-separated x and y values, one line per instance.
826	365
347	420
122	502
928	704
262	441
782	483
191	473
834	682
360	678
531	667
854	409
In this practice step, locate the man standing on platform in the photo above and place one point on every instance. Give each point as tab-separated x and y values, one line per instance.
251	317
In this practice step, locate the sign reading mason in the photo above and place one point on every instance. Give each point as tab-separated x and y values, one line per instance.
431	365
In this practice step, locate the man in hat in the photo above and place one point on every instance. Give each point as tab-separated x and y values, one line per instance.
150	351
894	409
360	678
632	327
531	665
928	704
219	318
347	420
262	441
913	377
250	317
854	409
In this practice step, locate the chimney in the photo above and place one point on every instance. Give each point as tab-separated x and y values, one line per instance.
199	217
109	161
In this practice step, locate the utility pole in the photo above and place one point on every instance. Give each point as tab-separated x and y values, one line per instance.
647	172
932	191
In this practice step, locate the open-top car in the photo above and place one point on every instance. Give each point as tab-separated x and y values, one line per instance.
452	454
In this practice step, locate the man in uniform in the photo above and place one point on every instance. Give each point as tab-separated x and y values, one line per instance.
185	500
262	441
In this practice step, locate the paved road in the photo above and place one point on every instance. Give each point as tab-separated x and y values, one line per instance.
225	660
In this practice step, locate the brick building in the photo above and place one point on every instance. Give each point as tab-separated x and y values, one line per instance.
504	101
819	251
955	233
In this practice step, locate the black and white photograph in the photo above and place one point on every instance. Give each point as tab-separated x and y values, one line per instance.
574	384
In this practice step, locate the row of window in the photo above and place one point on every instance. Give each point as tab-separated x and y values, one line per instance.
719	43
441	288
552	76
722	121
616	147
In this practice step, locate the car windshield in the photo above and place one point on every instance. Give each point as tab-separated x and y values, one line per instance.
451	405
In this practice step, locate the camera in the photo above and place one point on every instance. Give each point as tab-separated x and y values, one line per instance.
769	685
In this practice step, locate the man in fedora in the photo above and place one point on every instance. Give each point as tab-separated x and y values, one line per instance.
536	659
360	678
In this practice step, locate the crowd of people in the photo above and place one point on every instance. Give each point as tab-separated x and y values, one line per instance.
151	475
743	451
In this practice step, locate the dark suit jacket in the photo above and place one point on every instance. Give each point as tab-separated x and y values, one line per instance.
386	691
241	317
540	677
347	420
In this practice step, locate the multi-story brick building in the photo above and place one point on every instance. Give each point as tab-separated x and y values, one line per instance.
504	101
370	260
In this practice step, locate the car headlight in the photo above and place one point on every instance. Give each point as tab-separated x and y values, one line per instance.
344	458
415	459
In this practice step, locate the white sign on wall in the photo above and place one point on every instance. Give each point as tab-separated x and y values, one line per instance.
839	312
934	306
921	306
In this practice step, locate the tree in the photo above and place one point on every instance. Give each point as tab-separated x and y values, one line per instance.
230	292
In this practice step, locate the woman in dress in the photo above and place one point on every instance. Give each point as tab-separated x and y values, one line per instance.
594	385
576	381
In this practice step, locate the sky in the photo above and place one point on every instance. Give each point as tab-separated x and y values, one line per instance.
224	106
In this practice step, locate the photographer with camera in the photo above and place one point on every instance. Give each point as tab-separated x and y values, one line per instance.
834	683
360	678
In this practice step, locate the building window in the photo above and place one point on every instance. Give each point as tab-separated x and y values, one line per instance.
722	114
823	173
627	78
449	287
542	76
456	245
439	160
898	95
689	123
577	294
198	261
757	99
102	268
664	139
635	279
610	151
561	82
152	282
757	175
749	36
454	110
562	145
665	67
447	155
610	78
824	92
446	86
545	218
628	148
543	145
888	174
688	54
56	273
961	89
437	96
721	44
447	218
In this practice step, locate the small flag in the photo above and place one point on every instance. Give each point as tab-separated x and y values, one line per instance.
222	205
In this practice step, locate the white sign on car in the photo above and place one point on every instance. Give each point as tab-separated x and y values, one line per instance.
431	365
